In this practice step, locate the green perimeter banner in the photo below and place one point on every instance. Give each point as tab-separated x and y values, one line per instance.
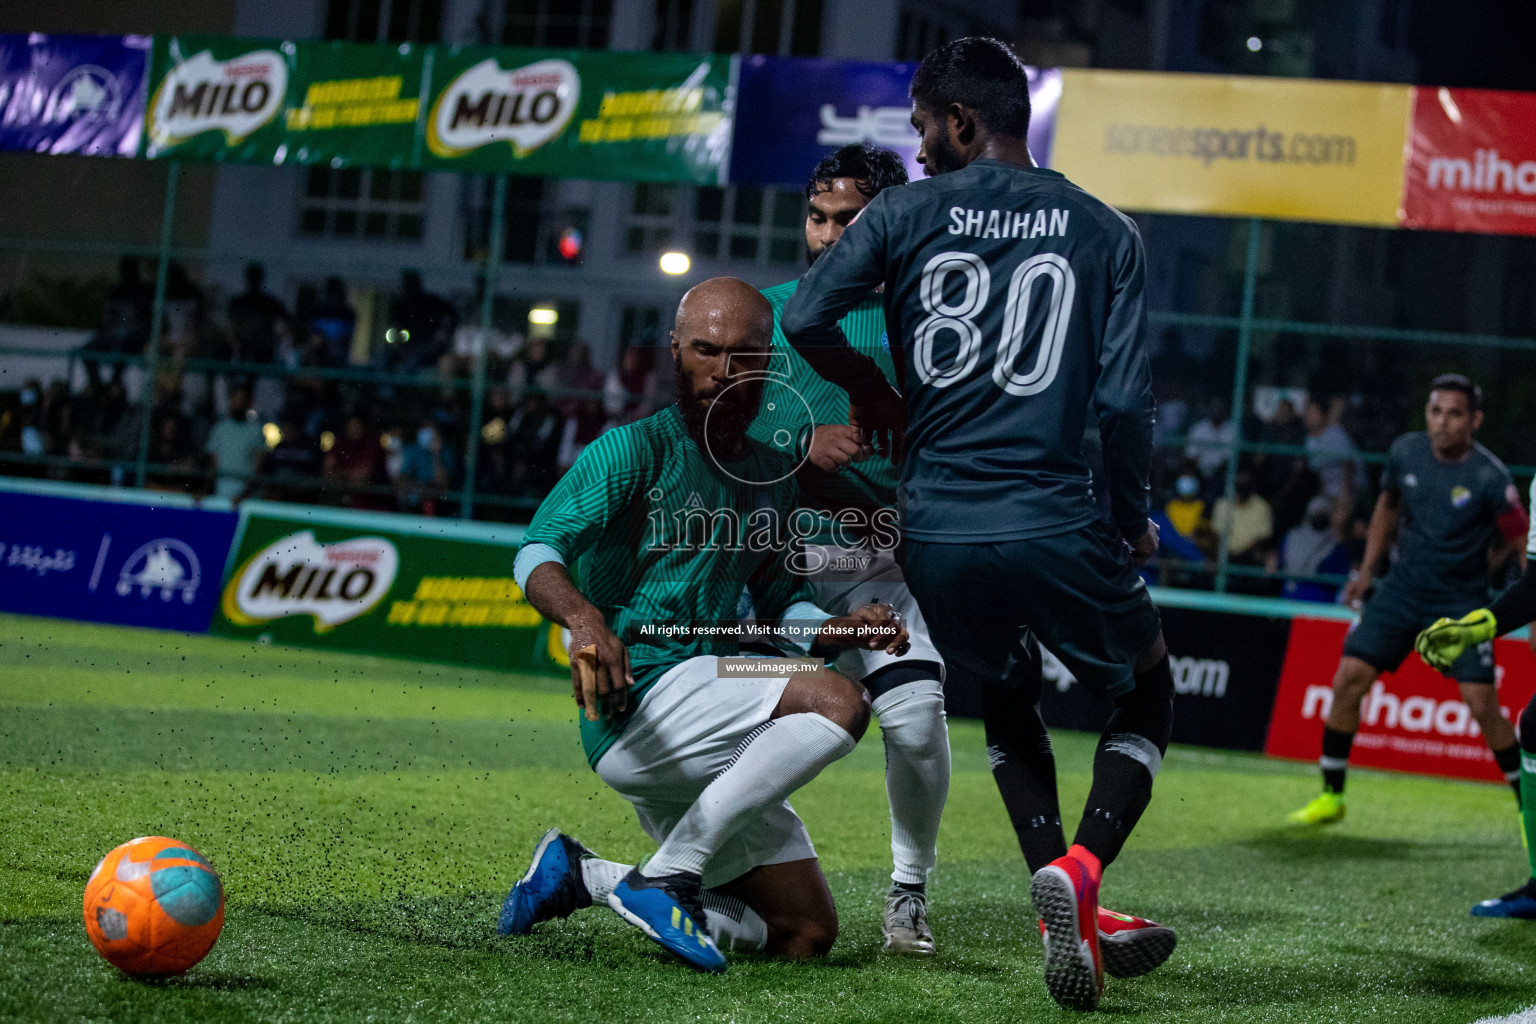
318	581
275	101
580	114
565	113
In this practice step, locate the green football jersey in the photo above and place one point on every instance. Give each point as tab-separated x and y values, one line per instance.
798	399
661	533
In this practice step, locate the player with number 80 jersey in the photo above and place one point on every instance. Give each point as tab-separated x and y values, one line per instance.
1015	299
1014	305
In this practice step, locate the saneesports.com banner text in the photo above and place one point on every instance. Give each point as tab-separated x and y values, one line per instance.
1250	147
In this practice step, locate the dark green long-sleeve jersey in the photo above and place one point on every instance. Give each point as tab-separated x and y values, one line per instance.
1014	306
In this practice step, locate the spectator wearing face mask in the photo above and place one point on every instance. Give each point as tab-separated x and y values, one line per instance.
1312	549
428	465
1249	519
1185	531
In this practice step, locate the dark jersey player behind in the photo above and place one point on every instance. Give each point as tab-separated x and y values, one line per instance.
1443	644
1013	303
1444	499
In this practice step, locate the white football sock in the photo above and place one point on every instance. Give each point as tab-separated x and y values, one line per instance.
780	759
732	924
601	876
916	774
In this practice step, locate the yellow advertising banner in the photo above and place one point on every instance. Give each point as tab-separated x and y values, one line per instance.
1253	147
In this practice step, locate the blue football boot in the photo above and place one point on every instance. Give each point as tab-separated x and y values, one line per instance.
670	910
552	888
1521	903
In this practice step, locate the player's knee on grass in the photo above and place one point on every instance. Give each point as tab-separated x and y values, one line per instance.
803	937
831	695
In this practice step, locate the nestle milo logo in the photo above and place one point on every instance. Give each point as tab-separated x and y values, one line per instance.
297	575
525	107
235	96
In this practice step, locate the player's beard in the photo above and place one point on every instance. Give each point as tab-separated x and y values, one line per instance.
941	157
812	255
728	420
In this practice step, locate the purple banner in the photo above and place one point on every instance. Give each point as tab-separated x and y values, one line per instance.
111	561
792	111
72	94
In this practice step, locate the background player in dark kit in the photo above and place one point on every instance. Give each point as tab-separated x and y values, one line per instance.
1444	500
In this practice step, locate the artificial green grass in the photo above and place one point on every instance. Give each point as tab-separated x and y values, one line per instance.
368	816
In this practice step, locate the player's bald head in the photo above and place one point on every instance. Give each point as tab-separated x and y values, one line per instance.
725	310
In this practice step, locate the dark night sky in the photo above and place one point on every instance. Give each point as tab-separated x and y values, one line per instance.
1488	44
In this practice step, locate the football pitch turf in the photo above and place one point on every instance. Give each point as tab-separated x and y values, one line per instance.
369	815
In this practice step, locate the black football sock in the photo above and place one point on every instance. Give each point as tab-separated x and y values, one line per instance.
1129	756
1024	768
1335	759
1509	763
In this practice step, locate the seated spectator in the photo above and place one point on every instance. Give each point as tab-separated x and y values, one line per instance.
173	459
575	373
1312	549
630	392
427	466
290	469
1210	440
424	324
258	321
533	366
235	446
533	440
1249	520
125	319
355	467
1330	452
334	320
1185	533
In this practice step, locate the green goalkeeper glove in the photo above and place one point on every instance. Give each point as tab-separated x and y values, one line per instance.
1441	644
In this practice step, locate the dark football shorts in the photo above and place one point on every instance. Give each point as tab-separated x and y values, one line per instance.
1383	637
1077	591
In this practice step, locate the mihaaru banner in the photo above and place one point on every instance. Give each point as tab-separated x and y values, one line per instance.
580	114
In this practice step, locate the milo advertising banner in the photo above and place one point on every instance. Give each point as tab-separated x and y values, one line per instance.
355	103
271	101
580	114
413	588
213	98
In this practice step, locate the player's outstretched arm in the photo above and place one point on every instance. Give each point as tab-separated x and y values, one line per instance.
604	691
1378	540
837	282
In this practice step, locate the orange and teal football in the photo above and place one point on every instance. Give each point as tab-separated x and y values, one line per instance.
154	906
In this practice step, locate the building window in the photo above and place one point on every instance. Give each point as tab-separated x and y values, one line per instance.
742	224
918	35
640	327
572	24
672	25
651	218
783	27
384	21
359	202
